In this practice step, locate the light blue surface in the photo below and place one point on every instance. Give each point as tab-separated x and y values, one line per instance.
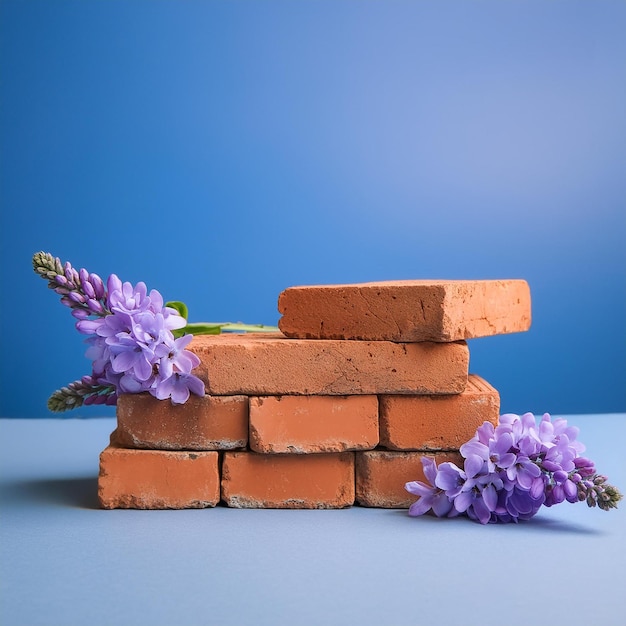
64	562
222	151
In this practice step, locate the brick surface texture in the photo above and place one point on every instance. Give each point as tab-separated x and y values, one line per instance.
208	423
271	364
313	424
157	479
437	422
406	311
288	481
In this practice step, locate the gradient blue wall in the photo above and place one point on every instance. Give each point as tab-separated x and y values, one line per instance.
223	151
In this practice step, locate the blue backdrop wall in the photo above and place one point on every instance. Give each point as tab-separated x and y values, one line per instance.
223	151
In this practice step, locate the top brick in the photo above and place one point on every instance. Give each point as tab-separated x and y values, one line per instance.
406	311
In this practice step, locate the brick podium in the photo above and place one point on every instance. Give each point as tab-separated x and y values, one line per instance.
336	409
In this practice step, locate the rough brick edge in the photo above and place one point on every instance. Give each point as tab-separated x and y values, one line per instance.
406	311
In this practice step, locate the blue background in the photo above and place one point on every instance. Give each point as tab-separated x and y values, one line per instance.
223	151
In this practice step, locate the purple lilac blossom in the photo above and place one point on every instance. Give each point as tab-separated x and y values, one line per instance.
133	348
130	340
510	471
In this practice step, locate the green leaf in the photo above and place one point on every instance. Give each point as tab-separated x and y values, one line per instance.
181	307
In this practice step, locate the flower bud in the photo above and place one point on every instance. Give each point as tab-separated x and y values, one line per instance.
550	466
95	306
571	493
77	297
558	494
586	466
559	477
88	289
97	284
71	274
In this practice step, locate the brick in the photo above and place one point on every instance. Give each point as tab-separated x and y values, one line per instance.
437	422
156	479
381	476
288	481
270	364
207	423
405	311
313	424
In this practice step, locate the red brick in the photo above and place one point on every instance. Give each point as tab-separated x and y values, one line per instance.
313	424
381	476
155	479
288	481
270	364
437	422
208	423
405	311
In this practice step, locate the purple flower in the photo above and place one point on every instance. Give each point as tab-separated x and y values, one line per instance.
130	355
430	497
130	340
500	455
132	347
450	479
523	471
174	358
178	386
478	496
511	470
124	298
516	504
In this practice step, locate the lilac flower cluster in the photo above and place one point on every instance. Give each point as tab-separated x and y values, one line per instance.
130	343
133	348
510	471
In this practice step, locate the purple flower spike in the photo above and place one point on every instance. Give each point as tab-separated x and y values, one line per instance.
130	340
511	470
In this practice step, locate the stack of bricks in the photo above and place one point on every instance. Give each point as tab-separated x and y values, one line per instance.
336	409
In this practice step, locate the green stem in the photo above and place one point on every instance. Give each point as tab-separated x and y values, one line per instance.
216	328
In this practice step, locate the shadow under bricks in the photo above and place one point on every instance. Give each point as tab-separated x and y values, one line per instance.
79	493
